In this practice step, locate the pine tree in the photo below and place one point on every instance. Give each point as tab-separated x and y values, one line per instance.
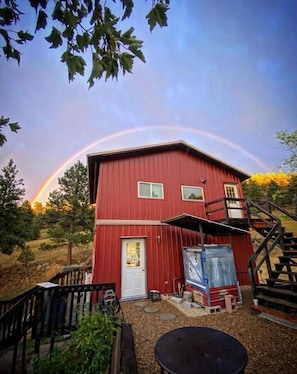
11	193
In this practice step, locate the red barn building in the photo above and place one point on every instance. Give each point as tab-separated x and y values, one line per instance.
151	201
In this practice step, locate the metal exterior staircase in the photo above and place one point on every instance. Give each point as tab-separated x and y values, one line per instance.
279	290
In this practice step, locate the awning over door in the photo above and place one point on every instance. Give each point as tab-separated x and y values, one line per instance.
203	225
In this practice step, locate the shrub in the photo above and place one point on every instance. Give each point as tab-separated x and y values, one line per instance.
44	246
89	352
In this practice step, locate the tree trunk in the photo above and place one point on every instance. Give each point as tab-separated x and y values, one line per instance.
69	254
70	245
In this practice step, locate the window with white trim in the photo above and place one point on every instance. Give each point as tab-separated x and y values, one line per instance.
192	193
150	190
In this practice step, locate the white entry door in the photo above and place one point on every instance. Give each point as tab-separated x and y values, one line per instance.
133	269
233	206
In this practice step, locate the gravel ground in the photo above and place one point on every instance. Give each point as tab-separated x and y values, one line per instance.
271	347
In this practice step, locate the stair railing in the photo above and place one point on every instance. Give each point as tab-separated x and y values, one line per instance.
262	254
271	205
272	238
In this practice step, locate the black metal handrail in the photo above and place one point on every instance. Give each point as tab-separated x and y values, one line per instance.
219	209
47	312
274	237
267	245
272	206
70	275
6	304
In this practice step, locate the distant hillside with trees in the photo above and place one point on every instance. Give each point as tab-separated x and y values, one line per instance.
68	217
279	187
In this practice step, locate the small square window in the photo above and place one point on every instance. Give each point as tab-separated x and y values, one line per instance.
150	190
192	193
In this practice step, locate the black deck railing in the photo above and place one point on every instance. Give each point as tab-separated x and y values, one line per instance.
274	209
6	304
71	275
68	276
227	210
47	312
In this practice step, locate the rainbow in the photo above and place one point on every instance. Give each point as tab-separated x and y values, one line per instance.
46	184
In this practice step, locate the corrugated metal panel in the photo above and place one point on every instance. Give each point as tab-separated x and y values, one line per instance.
95	159
164	260
117	197
243	250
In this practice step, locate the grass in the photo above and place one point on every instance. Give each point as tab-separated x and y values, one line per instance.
41	256
290	225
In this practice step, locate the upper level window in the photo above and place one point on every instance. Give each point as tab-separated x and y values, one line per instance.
192	193
150	190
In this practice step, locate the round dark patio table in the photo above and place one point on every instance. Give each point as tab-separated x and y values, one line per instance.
203	350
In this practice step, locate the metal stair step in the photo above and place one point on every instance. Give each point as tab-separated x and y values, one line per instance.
290	245
288	234
279	291
276	281
278	301
288	256
279	266
278	272
290	239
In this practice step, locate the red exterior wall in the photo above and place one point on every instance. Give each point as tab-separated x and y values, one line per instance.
117	200
117	187
164	261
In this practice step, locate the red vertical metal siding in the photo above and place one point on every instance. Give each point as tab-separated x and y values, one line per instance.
117	199
164	261
117	189
243	250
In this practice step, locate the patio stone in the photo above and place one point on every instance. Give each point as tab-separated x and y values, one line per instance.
151	309
140	303
167	316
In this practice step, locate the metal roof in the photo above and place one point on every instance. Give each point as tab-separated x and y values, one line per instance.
94	160
202	225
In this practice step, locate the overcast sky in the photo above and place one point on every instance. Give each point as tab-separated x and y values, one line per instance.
222	76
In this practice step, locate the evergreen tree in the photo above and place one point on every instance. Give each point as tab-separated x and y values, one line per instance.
73	214
30	223
12	235
253	191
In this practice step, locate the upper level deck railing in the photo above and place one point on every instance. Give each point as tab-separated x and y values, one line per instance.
227	210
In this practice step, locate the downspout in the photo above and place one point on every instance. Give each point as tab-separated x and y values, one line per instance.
178	278
203	260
